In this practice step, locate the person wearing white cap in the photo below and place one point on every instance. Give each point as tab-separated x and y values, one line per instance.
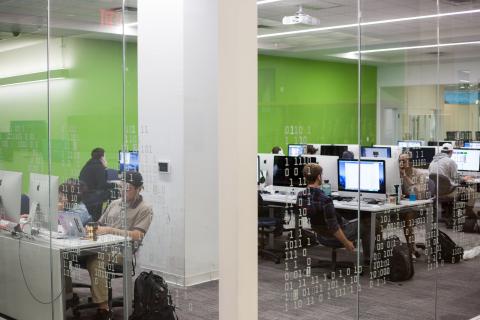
443	163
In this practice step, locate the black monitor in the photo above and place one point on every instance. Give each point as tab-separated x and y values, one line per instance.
438	143
128	160
372	176
420	157
376	152
295	150
333	150
288	171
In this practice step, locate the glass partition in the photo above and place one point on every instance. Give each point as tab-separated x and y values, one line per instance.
413	117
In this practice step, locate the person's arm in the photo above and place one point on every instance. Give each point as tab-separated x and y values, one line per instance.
346	243
100	177
135	235
334	227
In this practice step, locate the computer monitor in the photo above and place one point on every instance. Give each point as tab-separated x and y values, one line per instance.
43	192
288	171
410	143
329	170
333	150
467	159
472	145
10	195
376	152
439	143
372	177
266	166
128	160
295	150
421	157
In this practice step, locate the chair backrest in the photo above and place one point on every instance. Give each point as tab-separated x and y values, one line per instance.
441	185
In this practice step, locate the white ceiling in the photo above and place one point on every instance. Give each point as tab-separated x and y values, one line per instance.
325	44
93	18
84	17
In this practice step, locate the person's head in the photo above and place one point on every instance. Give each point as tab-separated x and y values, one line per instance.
70	192
134	185
348	155
277	150
447	148
311	149
313	173
404	161
98	153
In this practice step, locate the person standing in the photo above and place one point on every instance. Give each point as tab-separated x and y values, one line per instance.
94	176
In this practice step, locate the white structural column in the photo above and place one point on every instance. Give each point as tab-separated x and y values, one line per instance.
197	62
237	148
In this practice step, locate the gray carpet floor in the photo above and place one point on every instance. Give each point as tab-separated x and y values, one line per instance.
457	288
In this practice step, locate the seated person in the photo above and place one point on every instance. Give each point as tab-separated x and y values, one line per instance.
412	180
277	150
324	220
311	149
139	216
70	199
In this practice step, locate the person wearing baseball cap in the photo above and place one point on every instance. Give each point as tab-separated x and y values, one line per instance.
138	218
443	163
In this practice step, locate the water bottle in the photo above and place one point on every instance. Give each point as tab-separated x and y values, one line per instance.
327	188
412	196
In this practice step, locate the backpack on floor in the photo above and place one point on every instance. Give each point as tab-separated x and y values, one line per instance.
401	263
449	251
471	225
151	299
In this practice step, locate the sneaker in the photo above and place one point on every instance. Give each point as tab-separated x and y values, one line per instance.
103	314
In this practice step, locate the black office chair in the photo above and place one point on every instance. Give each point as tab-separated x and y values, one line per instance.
333	265
267	226
117	302
440	188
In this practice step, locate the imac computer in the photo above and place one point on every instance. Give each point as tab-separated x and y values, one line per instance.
329	170
43	193
421	157
10	195
472	145
295	150
128	160
467	159
372	182
376	152
333	150
410	143
266	167
288	171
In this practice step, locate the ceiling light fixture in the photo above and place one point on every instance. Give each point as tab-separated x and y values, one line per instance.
441	45
352	25
267	1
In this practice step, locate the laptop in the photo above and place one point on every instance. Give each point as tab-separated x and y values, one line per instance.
72	225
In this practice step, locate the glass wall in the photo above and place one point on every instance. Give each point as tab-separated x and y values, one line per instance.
382	96
86	204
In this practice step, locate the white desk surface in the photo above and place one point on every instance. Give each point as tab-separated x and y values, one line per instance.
347	205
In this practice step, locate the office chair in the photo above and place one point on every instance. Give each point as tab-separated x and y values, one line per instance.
440	188
116	273
332	264
267	226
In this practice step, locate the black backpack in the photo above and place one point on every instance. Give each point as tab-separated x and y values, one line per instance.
152	300
449	251
401	263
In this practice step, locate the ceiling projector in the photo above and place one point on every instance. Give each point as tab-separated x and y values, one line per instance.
301	18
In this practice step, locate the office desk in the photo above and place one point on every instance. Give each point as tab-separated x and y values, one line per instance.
41	261
373	210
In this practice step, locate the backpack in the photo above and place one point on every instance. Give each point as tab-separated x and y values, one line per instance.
471	225
449	251
392	260
151	299
401	263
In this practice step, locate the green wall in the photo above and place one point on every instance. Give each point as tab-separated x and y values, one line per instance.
86	110
307	101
